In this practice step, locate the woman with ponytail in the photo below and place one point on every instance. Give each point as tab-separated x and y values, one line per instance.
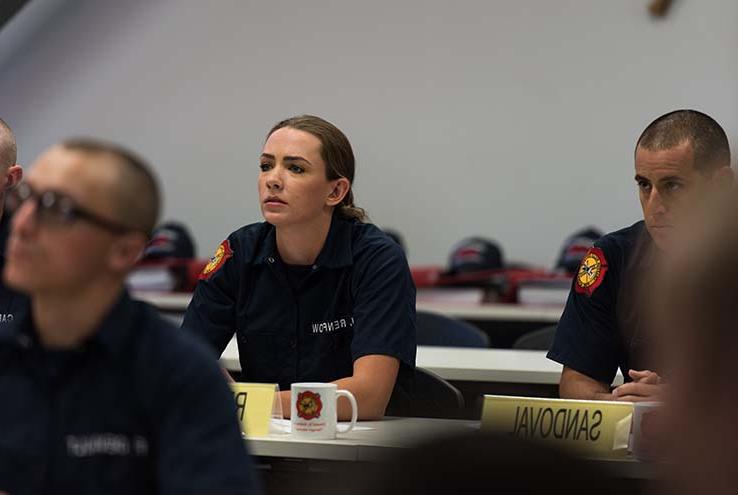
314	293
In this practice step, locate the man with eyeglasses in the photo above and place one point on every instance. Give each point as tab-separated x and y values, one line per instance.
11	302
98	394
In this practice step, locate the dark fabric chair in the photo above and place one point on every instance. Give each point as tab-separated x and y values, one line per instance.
424	394
439	330
537	340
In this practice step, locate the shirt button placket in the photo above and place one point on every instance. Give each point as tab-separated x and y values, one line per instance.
293	340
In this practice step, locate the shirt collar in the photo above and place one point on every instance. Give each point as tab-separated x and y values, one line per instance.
268	250
112	333
336	252
115	329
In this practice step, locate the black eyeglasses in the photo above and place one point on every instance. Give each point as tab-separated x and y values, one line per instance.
55	208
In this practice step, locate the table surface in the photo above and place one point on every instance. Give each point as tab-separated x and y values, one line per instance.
177	302
371	445
390	434
468	364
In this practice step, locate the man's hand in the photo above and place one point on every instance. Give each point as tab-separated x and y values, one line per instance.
646	386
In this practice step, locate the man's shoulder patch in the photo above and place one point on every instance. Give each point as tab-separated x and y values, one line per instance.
217	261
591	272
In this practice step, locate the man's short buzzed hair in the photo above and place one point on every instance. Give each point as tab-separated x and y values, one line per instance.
8	148
709	142
137	193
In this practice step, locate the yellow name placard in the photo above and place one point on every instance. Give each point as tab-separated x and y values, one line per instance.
256	405
592	428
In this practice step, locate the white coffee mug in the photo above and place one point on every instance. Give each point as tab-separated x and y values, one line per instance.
643	442
314	410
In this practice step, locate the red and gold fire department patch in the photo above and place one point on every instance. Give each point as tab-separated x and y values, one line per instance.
219	258
591	272
309	405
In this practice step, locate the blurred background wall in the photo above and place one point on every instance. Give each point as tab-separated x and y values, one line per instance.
508	119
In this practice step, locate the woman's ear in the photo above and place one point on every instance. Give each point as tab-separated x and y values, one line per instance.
13	177
341	188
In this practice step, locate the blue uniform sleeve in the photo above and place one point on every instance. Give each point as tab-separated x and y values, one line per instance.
211	314
199	447
384	306
587	338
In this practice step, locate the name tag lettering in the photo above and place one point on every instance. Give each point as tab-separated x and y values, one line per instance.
562	423
332	326
106	444
241	405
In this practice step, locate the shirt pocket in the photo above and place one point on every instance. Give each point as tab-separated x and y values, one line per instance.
19	470
264	355
112	475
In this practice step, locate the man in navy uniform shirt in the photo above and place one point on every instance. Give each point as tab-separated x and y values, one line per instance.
98	393
681	160
11	302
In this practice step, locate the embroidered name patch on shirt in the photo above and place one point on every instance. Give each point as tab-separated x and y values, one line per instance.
106	444
333	326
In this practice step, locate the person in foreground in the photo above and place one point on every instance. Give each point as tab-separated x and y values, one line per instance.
695	430
682	160
98	393
474	462
314	294
11	302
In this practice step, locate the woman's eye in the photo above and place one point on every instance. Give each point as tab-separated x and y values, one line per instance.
264	167
296	169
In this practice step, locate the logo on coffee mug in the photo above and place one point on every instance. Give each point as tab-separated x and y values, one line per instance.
309	405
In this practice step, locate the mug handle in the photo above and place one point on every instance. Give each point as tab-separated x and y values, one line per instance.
354	409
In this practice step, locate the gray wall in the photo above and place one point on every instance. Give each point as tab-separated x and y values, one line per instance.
515	120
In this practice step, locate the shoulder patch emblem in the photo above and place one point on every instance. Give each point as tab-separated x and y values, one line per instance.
219	258
591	272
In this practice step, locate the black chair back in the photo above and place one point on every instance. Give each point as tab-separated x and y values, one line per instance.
439	330
537	340
424	394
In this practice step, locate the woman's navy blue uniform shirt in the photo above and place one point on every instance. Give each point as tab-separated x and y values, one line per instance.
139	408
599	329
357	299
